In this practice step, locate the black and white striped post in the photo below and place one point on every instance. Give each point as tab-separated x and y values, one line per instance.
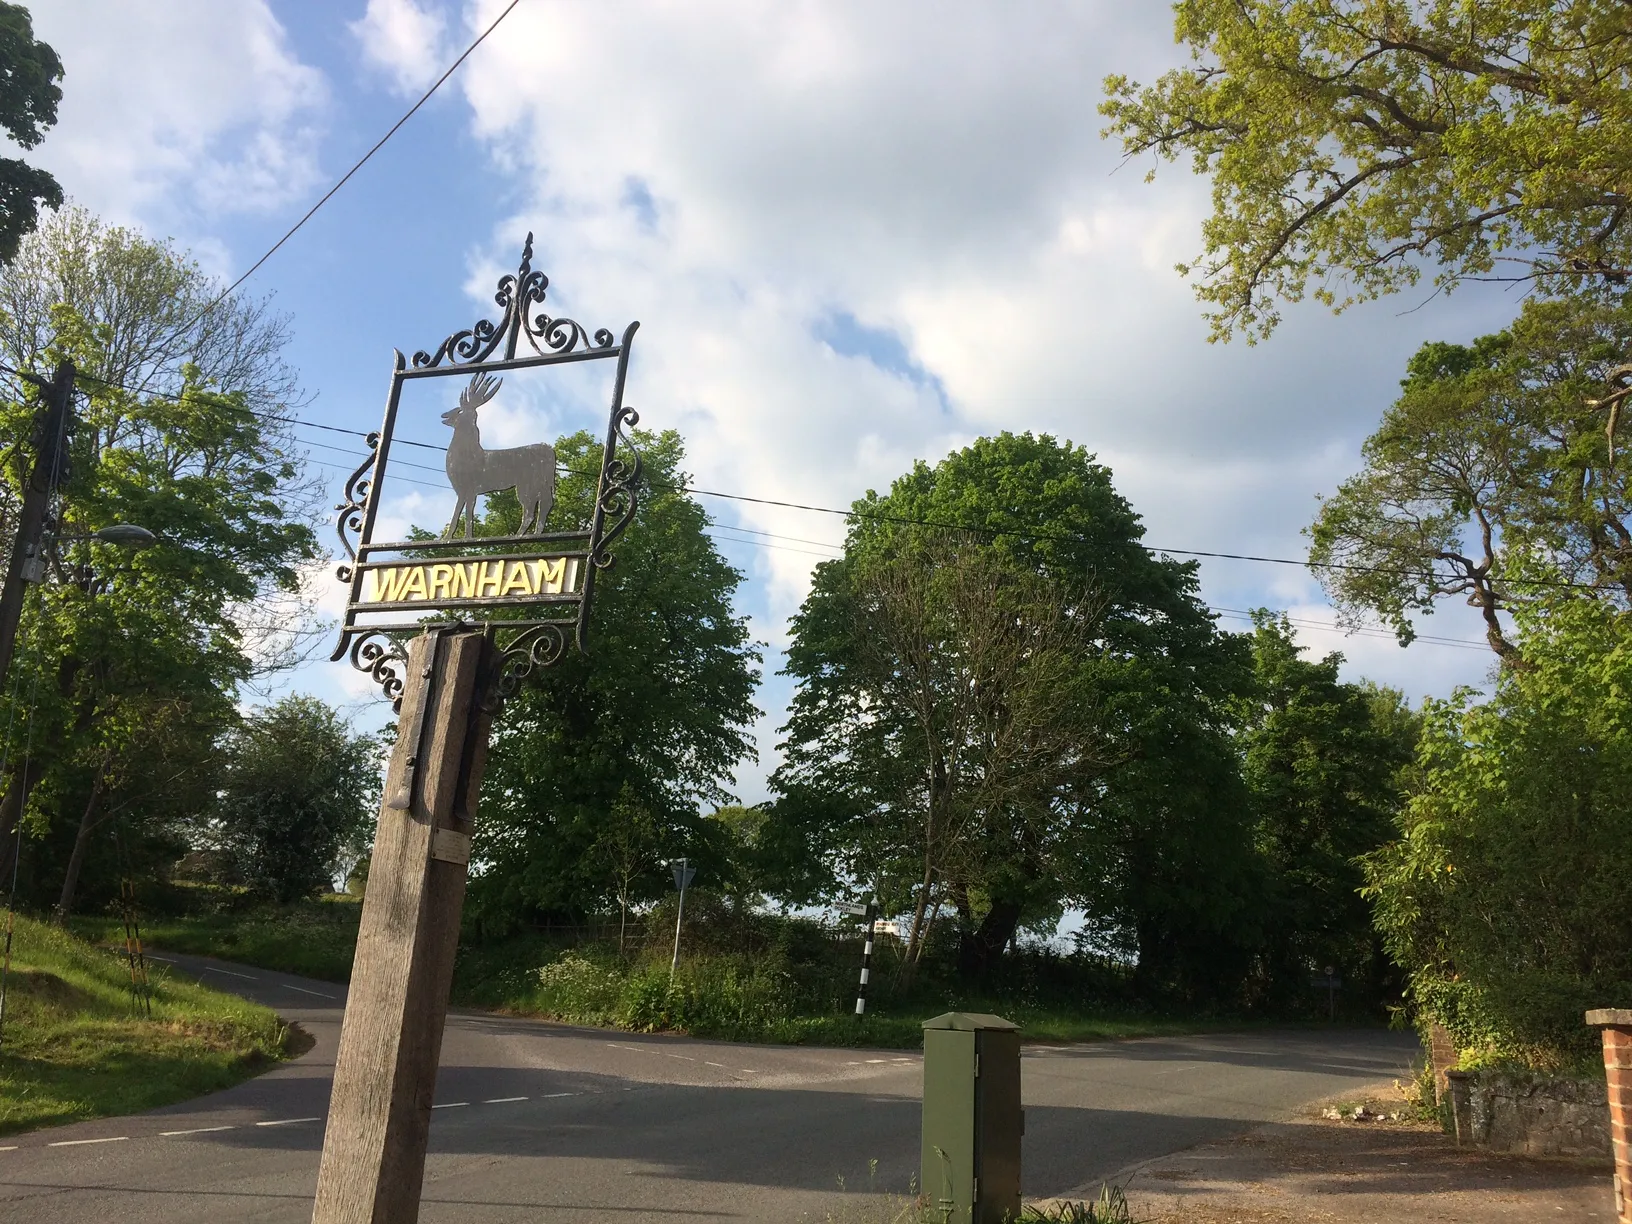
869	914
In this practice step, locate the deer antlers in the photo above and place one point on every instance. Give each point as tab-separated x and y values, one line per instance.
483	387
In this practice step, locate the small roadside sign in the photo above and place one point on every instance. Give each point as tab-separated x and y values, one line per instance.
683	875
850	907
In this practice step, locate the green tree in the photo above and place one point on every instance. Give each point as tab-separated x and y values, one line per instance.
1492	478
1507	895
1351	141
1036	519
1322	760
657	717
298	789
164	442
29	93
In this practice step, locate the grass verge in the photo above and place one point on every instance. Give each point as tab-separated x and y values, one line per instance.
314	939
790	986
74	1048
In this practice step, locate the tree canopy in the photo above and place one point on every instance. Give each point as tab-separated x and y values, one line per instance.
1352	142
29	93
649	728
986	680
1492	477
182	448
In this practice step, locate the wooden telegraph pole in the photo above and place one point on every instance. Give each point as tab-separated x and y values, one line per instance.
391	1040
531	593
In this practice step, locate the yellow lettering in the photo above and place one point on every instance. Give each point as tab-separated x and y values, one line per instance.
441	581
515	579
413	584
383	585
465	576
492	576
549	575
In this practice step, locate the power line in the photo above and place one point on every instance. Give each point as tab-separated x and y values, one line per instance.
874	516
346	177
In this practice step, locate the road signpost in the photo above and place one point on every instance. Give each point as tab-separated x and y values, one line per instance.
684	873
868	913
449	627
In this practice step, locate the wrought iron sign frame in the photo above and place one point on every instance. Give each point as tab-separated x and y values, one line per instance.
539	639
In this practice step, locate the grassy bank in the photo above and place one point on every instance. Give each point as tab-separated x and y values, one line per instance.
74	1047
314	939
742	977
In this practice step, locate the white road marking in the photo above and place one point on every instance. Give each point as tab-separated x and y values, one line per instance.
550	1096
79	1142
502	1100
197	1130
709	1064
452	1105
302	990
288	1121
12	1148
228	972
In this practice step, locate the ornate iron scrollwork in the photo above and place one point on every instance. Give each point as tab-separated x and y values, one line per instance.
377	627
619	494
351	511
547	337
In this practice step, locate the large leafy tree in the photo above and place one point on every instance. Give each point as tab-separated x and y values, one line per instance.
182	448
297	790
1322	760
29	93
1148	686
646	731
1349	142
1507	895
1491	478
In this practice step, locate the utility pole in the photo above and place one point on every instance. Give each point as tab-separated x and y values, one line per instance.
27	557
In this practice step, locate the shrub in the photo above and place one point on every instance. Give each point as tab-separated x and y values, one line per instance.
1507	897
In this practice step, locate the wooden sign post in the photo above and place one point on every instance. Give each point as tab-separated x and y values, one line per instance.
532	591
391	1040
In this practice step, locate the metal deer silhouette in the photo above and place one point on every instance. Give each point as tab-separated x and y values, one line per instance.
474	470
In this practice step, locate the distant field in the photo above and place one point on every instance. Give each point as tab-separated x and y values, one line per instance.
75	1045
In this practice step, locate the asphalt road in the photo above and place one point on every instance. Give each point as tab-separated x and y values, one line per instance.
539	1121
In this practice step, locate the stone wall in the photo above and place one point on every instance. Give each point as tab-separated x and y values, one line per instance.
1531	1115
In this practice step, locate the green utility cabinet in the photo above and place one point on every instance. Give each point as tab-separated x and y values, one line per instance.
970	1165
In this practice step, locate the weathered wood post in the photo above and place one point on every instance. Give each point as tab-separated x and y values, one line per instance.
391	1040
530	593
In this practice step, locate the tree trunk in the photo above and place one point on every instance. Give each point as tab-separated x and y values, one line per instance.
980	949
82	840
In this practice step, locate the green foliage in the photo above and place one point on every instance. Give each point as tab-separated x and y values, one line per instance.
653	722
1350	141
1493	470
74	1049
1322	761
1110	1208
1017	709
29	93
132	662
298	788
1507	897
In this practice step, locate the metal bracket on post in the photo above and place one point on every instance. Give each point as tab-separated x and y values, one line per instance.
413	733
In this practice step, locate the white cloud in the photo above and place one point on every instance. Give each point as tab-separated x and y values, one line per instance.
177	109
750	180
405	39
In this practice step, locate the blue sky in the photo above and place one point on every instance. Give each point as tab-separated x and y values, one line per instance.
855	235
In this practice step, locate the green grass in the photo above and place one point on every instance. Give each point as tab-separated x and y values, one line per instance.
313	939
760	979
73	1046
